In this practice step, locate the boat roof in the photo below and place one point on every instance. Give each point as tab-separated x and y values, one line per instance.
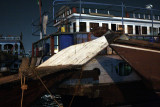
104	11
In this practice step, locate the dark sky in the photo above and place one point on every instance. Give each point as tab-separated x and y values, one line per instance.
17	15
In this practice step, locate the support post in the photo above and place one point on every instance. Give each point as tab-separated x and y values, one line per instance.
37	51
52	44
41	35
32	49
53	8
80	10
77	25
152	20
148	30
87	26
134	29
18	49
100	24
71	27
89	36
109	26
122	16
126	29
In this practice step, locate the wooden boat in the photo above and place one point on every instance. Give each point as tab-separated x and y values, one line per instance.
143	56
54	72
11	53
11	85
60	66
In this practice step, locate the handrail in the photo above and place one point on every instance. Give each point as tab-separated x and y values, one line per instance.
10	38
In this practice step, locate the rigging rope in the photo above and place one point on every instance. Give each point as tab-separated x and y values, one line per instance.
24	86
47	89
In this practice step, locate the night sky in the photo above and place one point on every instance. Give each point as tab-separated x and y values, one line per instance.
17	15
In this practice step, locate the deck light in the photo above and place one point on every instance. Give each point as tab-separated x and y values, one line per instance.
149	6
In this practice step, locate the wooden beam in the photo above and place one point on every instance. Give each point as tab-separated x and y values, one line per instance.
73	56
52	44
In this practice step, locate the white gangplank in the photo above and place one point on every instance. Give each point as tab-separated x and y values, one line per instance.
75	55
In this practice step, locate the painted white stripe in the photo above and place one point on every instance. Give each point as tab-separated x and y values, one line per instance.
136	48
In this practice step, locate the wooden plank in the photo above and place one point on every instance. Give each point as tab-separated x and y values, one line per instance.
139	43
73	56
10	78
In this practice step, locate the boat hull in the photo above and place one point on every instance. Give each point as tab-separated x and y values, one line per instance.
102	95
144	61
10	93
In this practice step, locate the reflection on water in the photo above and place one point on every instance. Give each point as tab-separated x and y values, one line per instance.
47	101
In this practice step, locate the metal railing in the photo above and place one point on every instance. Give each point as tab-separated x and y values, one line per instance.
150	38
10	38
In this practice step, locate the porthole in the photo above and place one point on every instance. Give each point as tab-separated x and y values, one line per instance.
123	69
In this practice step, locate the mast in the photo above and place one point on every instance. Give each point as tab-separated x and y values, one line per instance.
40	13
122	17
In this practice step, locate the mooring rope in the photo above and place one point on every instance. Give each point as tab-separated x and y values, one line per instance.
47	89
24	86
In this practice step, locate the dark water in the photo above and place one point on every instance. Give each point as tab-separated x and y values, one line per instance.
47	101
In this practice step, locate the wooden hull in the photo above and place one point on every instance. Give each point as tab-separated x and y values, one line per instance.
10	93
6	57
144	60
107	94
102	95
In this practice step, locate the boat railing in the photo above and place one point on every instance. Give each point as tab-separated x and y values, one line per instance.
110	12
116	13
10	38
150	38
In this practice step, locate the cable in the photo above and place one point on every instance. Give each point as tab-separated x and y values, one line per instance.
76	88
24	86
47	88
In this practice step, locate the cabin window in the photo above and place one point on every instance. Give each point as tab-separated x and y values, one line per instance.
123	69
105	25
130	29
56	44
155	31
120	27
74	27
8	47
144	30
93	26
138	30
113	27
82	26
151	30
16	49
21	46
67	28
